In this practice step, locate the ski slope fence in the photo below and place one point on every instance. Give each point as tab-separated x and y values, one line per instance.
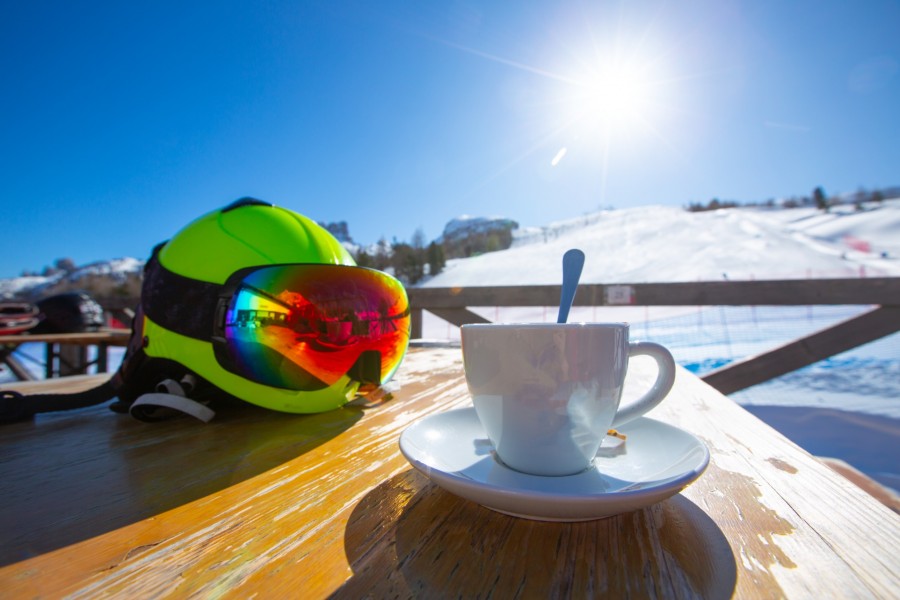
832	342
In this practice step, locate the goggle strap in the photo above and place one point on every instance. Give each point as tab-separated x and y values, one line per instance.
180	304
367	368
157	406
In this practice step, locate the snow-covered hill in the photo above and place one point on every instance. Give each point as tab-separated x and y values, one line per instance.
659	243
99	278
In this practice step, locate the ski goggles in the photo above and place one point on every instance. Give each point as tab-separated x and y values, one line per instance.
298	326
305	326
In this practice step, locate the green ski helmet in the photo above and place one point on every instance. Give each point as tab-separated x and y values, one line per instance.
253	302
249	236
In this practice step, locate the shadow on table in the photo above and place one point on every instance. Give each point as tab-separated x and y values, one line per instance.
432	543
72	476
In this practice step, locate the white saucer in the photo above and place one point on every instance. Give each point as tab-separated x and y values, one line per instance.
655	462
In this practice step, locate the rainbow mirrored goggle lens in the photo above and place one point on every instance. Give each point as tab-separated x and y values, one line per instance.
303	327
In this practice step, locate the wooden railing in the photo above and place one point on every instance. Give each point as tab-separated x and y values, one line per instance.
65	353
452	305
883	294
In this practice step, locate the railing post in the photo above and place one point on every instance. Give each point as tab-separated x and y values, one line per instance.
49	359
65	359
415	325
102	360
72	360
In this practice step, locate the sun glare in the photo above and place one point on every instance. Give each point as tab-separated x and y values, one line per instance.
618	98
559	156
608	97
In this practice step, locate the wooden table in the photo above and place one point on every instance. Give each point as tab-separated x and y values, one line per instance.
272	505
65	353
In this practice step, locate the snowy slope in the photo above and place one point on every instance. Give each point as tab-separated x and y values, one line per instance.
657	244
877	226
114	271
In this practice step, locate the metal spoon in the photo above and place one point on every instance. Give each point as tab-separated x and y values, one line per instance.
573	261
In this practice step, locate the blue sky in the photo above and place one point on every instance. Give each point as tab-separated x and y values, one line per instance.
121	122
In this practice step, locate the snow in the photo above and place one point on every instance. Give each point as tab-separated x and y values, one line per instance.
117	269
662	243
10	288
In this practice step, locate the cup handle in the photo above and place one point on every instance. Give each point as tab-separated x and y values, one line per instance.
663	384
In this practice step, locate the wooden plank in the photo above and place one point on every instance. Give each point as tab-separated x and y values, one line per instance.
69	359
325	506
17	368
102	360
68	385
792	292
49	360
66	353
846	335
415	323
111	337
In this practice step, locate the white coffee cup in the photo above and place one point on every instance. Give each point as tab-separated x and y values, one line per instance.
547	393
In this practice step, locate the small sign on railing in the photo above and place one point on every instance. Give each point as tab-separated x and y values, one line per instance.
619	294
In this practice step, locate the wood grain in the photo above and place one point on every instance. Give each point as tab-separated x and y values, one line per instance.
325	506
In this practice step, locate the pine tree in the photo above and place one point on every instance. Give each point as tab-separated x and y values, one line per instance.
408	264
436	260
820	199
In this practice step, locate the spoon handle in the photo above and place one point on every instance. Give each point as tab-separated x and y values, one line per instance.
573	262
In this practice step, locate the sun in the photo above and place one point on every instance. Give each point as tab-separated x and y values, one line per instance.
621	92
596	103
613	99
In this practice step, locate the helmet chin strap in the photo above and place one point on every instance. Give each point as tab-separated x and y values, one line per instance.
170	399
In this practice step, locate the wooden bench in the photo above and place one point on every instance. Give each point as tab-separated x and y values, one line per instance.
65	353
263	504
